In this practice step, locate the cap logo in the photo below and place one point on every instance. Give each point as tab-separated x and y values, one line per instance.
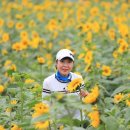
72	55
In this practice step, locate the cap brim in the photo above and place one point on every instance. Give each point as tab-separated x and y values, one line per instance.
67	57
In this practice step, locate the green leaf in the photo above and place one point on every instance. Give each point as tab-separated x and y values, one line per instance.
74	128
120	89
10	72
40	118
127	115
110	123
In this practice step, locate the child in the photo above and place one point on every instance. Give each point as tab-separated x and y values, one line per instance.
58	82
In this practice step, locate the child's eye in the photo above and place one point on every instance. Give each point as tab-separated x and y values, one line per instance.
62	61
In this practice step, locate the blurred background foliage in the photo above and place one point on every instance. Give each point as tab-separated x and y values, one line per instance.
31	33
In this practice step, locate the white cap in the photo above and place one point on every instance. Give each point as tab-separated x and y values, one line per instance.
64	53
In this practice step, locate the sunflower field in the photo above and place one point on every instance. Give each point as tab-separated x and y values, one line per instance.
98	33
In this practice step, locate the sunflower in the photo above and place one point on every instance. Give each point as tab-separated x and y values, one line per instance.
93	95
42	125
118	97
1	88
106	70
1	127
41	60
74	84
15	127
40	109
95	118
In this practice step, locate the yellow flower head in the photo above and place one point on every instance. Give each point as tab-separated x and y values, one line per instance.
118	97
124	30
52	25
123	47
74	84
8	109
95	119
111	33
92	96
7	63
15	127
41	60
24	34
96	27
19	26
61	127
128	102
5	37
1	127
88	57
1	88
17	46
106	70
94	11
42	125
98	65
13	67
10	24
1	22
40	109
115	54
4	52
13	102
29	81
81	55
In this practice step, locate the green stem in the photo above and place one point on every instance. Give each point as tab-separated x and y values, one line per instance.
41	70
81	113
69	113
10	115
49	126
55	120
22	102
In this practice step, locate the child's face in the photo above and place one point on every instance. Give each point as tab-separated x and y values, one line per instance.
64	66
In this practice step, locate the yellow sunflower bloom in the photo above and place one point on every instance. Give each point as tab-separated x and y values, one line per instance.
94	117
15	127
92	96
13	102
41	60
118	97
40	109
128	102
42	125
1	127
29	81
74	84
1	88
106	70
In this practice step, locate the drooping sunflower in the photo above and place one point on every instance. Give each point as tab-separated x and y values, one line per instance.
74	85
93	95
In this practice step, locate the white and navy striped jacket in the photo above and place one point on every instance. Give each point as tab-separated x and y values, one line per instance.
51	84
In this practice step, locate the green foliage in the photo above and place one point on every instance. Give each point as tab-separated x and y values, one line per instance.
69	29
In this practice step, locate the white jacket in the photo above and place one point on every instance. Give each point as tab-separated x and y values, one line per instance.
51	85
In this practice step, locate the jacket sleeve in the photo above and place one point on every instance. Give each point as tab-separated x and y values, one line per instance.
45	89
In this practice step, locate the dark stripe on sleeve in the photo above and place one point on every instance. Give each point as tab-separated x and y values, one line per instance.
46	90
